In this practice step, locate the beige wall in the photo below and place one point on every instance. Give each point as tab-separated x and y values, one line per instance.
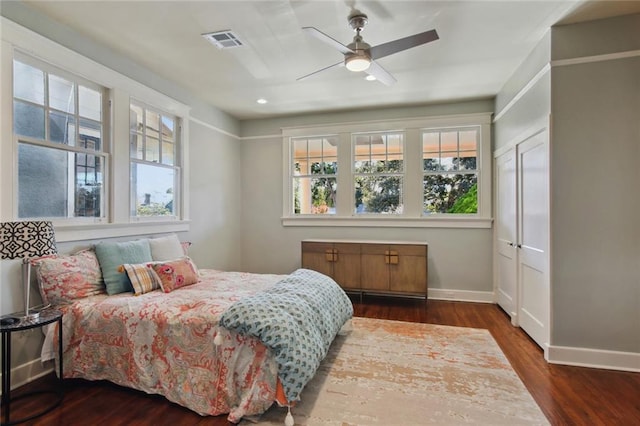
459	259
592	93
595	169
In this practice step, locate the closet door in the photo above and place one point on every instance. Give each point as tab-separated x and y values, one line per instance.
533	238
506	234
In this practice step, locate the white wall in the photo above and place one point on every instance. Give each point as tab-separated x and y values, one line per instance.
459	259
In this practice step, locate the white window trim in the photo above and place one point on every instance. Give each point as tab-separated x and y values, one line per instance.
412	216
18	38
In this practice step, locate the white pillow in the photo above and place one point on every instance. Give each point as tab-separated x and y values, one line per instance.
166	248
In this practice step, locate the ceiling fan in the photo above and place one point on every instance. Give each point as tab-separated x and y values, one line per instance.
360	56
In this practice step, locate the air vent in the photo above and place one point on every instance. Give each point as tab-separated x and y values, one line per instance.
223	39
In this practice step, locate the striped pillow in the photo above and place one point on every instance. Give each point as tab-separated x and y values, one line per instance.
143	278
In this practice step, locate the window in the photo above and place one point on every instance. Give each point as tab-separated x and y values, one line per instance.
449	162
378	172
58	126
417	172
315	169
154	173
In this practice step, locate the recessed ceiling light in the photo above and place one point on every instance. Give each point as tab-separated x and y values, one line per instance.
262	101
370	78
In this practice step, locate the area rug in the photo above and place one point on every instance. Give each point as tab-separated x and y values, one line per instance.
401	373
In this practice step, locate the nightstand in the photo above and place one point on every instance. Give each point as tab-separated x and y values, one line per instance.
47	316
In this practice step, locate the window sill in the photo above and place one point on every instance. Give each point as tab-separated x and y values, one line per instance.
389	222
77	232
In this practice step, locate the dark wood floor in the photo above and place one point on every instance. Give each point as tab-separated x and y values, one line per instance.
567	395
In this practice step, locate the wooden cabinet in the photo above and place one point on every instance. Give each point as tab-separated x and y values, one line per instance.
340	261
398	268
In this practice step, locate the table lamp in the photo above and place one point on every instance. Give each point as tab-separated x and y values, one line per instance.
24	240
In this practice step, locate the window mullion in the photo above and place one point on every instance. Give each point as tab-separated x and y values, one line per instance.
412	181
345	195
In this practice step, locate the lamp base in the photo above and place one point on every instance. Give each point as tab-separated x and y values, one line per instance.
31	317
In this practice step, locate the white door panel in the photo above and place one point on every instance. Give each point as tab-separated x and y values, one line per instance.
533	237
506	227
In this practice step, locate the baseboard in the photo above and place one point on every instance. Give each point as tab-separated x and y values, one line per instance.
594	358
461	295
30	371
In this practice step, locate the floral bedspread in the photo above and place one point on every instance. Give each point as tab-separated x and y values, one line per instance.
163	343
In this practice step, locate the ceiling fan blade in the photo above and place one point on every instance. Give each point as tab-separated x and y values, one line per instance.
386	49
341	64
380	74
314	32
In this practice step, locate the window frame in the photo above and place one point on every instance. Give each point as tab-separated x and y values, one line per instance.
412	215
17	39
176	166
47	143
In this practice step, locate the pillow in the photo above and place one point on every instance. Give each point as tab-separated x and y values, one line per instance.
143	278
166	248
62	279
176	273
113	254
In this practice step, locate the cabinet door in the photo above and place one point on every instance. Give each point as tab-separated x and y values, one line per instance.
375	271
315	256
408	269
346	268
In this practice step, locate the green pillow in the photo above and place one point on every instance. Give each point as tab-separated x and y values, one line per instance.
113	254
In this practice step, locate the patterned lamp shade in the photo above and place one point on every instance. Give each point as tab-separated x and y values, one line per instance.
26	239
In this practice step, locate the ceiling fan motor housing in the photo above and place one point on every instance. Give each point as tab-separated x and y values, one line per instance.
358	20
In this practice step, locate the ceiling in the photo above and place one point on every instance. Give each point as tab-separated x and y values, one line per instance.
481	44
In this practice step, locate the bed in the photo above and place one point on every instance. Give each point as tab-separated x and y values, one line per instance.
193	346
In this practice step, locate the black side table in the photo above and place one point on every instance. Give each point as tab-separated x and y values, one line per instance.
47	316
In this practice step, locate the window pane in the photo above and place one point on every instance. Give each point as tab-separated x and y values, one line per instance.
152	150
448	161
89	188
62	128
91	131
167	153
301	167
136	146
431	161
450	193
44	180
315	148
449	141
468	140
300	148
61	94
153	188
28	83
314	195
135	118
90	102
167	128
378	194
28	120
431	142
152	123
329	147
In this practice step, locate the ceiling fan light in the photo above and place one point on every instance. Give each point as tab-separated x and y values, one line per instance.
357	63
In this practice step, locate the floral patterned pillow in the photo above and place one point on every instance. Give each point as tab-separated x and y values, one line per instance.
176	273
63	279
